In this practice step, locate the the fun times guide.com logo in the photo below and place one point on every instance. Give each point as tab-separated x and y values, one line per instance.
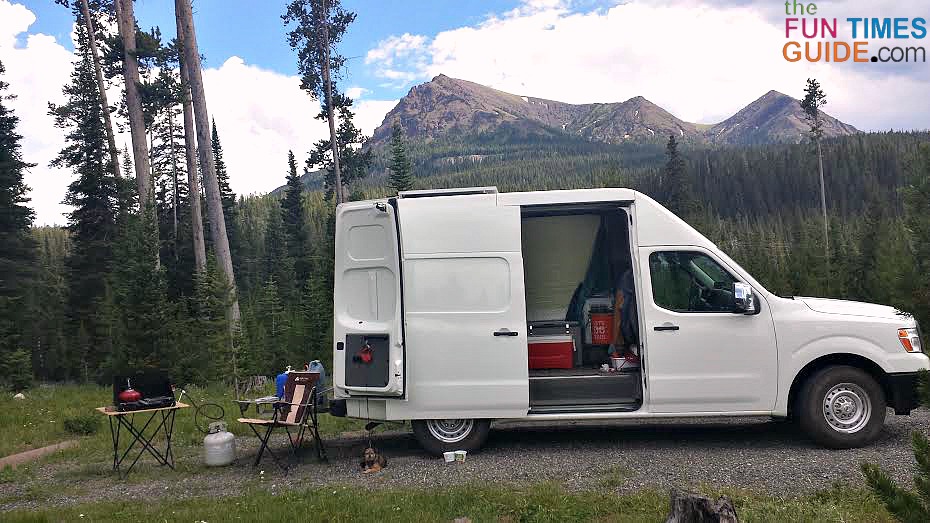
815	38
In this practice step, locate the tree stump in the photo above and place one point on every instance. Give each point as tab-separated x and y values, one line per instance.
689	507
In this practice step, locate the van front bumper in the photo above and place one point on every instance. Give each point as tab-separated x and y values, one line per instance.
902	388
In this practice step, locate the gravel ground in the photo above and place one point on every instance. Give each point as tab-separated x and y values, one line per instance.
746	453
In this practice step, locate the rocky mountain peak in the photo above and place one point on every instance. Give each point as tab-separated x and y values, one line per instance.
447	105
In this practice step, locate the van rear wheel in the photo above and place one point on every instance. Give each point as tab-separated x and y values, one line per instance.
842	407
445	435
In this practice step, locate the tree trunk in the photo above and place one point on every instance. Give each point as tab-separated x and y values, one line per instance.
185	18
174	181
328	84
101	87
687	507
127	32
190	149
826	223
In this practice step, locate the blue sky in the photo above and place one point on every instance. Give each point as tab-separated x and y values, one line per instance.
253	29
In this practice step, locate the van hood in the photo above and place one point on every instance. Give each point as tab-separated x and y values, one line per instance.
853	308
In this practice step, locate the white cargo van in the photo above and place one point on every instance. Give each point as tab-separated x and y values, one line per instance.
455	308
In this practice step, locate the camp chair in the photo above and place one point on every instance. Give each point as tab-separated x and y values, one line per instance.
297	409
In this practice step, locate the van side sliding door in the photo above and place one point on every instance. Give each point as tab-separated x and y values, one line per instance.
465	309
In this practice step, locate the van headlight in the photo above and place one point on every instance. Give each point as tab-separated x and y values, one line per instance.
910	339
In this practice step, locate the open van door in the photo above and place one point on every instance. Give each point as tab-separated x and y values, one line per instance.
464	307
369	347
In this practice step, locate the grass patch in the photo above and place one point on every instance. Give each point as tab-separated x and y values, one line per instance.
614	477
84	425
41	418
545	502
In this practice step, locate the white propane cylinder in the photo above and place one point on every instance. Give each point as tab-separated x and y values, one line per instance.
219	446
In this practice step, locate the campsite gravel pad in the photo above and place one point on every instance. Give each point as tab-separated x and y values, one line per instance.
756	454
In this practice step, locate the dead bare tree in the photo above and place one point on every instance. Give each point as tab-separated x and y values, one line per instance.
185	18
190	149
101	87
126	22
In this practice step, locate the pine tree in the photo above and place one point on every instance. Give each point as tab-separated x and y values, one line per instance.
273	321
320	25
316	303
401	178
862	279
212	351
678	194
227	196
140	299
17	251
917	221
94	194
279	266
905	505
814	99
48	336
292	209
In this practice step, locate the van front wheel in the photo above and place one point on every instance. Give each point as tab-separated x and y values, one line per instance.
842	407
445	435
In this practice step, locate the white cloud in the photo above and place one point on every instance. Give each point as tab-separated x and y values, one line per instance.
409	49
701	60
36	69
370	113
356	92
260	114
395	47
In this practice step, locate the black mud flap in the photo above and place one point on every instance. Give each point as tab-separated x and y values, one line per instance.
338	408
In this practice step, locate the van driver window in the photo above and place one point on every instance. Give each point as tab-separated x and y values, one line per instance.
690	282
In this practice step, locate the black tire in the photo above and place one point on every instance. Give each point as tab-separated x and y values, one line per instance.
846	386
471	440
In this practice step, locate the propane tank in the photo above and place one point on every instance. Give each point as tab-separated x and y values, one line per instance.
219	446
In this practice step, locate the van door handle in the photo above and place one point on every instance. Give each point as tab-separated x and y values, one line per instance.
668	327
506	332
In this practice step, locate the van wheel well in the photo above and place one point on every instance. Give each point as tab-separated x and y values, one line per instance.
851	360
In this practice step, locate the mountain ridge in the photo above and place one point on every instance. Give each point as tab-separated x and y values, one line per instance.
446	105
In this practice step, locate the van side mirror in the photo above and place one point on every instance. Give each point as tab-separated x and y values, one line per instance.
744	299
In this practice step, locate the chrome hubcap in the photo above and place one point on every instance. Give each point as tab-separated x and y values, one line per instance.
450	430
847	408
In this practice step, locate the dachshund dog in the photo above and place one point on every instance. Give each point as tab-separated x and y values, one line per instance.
373	461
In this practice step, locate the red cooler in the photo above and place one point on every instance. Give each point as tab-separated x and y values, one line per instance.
551	352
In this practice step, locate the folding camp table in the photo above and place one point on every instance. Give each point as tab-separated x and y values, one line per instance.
126	419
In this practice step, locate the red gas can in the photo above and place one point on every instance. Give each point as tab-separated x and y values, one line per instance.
551	352
602	328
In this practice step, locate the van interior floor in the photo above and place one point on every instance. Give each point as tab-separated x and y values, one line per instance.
584	389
